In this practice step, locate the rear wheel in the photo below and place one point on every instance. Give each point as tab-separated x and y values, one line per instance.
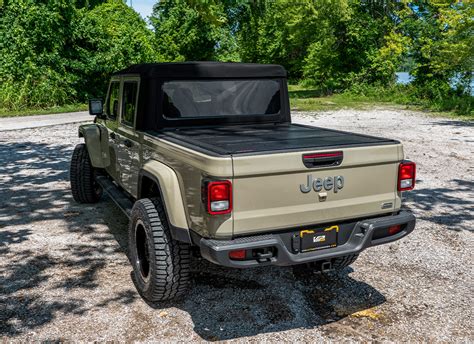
84	187
161	265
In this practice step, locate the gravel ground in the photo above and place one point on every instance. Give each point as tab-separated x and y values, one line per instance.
64	273
27	122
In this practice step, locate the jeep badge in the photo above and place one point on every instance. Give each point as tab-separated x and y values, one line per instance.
336	183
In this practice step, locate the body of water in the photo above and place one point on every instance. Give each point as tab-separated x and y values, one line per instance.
405	78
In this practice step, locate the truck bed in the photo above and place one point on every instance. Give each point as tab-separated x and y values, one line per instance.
266	139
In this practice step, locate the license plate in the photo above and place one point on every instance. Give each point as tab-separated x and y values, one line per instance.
317	239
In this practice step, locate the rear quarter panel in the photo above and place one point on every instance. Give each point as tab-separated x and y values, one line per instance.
192	168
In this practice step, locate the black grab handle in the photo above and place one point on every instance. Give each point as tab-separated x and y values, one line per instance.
325	159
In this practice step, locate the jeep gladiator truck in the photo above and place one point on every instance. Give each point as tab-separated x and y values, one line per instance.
202	156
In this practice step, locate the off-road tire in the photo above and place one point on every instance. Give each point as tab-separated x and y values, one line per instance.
161	265
82	177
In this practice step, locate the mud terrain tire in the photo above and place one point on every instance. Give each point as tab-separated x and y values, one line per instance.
82	177
161	265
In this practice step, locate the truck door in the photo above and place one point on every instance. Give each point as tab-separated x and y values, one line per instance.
127	140
112	110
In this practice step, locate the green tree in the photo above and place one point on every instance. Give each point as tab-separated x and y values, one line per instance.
441	44
108	38
35	38
331	44
55	52
191	30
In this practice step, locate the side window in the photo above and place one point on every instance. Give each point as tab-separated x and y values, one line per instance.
130	90
113	100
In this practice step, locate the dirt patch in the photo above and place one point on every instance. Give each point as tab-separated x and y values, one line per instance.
65	275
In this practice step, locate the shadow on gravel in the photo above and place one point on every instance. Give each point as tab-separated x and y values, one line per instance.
230	304
8	238
426	202
41	285
22	308
454	123
32	190
27	169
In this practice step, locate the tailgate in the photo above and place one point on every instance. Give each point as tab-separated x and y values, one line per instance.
272	192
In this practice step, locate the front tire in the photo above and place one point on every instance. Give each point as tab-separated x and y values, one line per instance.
84	187
161	265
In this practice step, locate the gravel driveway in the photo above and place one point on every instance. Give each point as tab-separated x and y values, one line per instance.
64	273
29	122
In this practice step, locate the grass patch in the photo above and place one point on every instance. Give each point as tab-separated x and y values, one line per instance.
311	99
308	99
45	111
364	97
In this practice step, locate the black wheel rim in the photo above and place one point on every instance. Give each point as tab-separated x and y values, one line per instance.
143	254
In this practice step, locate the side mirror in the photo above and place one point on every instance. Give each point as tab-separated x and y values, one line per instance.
96	108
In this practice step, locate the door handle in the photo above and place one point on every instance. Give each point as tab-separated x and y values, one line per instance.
127	143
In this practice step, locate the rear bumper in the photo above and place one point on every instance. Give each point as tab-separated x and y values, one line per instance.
361	237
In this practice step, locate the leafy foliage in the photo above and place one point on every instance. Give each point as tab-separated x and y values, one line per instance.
441	36
188	31
108	38
54	53
35	43
57	52
329	43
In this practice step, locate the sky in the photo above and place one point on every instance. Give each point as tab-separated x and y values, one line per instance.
144	7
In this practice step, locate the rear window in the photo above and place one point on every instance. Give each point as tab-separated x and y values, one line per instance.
220	98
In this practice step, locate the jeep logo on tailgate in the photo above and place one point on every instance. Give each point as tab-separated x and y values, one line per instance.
336	183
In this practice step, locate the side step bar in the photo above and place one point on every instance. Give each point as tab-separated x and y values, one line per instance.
118	196
124	202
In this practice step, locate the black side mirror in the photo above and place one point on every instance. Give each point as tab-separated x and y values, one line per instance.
96	108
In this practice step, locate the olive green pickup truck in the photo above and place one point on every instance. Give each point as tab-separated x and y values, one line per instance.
203	158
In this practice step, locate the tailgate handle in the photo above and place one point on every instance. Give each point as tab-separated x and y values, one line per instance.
322	159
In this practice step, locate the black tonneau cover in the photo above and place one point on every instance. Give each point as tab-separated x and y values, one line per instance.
266	138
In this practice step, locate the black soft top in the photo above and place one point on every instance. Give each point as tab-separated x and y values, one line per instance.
193	70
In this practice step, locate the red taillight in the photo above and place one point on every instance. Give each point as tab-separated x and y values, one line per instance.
394	229
323	155
219	197
406	176
237	255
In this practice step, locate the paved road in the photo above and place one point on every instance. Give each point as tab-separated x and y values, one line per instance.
28	122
